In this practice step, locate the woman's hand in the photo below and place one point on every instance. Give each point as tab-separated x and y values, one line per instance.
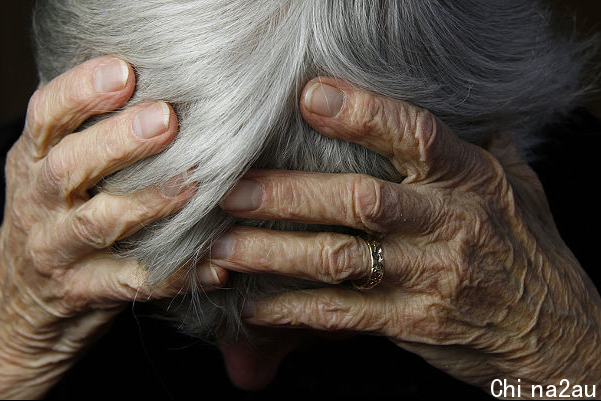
477	279
60	285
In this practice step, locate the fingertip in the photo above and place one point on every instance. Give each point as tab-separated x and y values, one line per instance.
246	196
325	100
60	106
172	122
155	121
219	274
112	77
397	130
211	276
337	110
323	97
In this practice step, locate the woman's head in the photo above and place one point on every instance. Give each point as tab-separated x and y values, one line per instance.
233	71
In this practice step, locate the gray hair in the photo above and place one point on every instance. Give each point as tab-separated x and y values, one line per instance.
233	71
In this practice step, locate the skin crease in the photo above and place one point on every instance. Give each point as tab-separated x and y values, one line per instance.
60	285
477	278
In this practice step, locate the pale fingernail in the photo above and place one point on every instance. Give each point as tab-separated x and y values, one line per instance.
247	310
215	275
324	99
247	195
223	247
207	275
174	186
111	77
152	121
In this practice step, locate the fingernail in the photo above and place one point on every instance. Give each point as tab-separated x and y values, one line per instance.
207	275
215	275
151	121
324	99
111	77
247	195
247	310
223	247
174	186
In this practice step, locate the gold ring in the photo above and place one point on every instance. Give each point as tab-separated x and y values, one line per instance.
376	270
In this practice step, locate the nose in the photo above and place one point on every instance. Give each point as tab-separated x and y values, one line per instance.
252	362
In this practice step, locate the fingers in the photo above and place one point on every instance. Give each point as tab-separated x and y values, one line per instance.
79	161
330	309
104	219
183	281
324	257
397	315
59	107
416	142
353	200
324	309
102	280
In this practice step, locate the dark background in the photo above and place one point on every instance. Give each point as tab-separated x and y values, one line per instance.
144	358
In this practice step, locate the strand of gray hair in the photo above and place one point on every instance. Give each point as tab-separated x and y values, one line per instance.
233	71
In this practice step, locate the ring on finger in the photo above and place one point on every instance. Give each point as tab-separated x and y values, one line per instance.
376	268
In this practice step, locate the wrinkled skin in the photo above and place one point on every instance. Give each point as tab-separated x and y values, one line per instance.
477	278
60	285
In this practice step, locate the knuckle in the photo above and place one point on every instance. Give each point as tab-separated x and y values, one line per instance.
370	112
427	132
73	297
338	259
42	257
113	144
15	161
133	285
281	313
13	157
34	120
87	228
20	211
373	203
330	315
54	173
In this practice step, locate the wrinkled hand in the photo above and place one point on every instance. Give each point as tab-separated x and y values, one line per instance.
477	279
60	284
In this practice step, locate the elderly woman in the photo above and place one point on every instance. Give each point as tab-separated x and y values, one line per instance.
440	227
